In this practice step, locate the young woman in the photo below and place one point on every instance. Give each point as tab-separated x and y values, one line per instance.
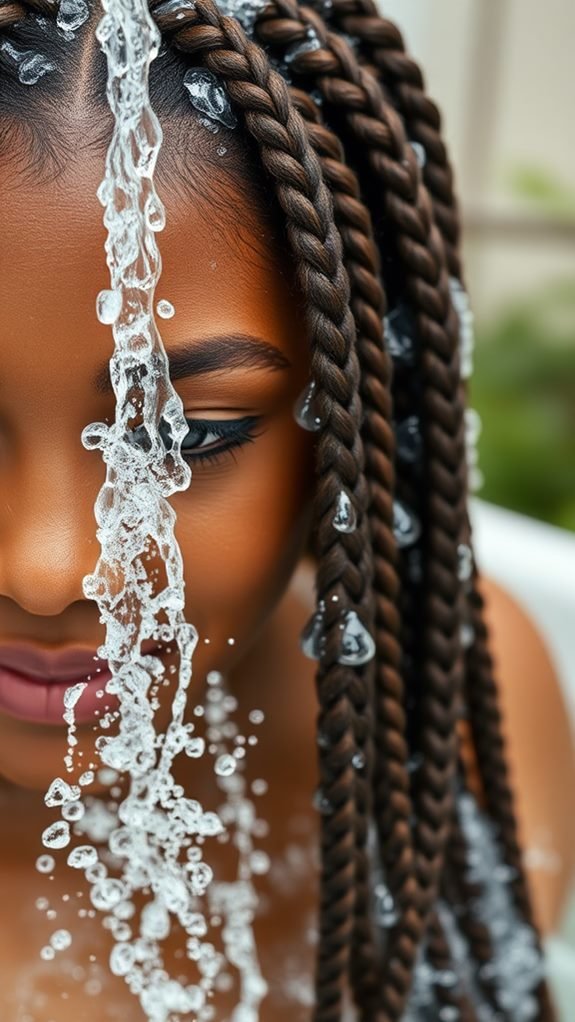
311	256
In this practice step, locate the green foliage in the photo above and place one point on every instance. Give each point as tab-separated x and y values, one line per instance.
545	192
524	390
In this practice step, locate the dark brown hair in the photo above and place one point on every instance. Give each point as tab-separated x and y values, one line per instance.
370	231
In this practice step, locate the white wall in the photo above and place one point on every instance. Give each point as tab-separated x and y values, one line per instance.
502	72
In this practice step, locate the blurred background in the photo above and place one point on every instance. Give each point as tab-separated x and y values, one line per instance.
502	74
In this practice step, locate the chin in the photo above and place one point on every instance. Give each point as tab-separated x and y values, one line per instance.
31	755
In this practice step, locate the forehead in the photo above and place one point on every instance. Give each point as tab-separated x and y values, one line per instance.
220	270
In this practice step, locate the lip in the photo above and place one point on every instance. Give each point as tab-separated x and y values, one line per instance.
33	682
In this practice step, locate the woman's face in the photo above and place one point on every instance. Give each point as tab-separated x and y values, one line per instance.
243	521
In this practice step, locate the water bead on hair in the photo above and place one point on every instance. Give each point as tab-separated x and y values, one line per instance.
209	97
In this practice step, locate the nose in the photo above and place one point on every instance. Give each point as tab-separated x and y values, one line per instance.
48	531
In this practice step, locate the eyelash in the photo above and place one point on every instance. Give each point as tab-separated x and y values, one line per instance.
235	432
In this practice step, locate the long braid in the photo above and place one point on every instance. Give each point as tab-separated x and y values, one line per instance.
392	804
384	47
488	735
343	83
280	133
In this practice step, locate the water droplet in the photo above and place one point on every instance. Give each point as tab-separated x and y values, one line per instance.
45	864
108	306
449	1013
312	640
358	760
345	519
60	792
73	693
32	67
82	857
322	803
259	786
409	440
420	154
47	953
465	562
225	765
256	717
72	14
105	894
462	306
444	978
57	835
201	876
195	748
259	862
122	958
209	97
61	939
399	333
406	527
385	912
42	904
305	409
73	811
303	46
165	309
357	645
93	437
467	633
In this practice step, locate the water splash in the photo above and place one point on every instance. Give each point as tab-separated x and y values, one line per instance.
516	967
31	66
154	822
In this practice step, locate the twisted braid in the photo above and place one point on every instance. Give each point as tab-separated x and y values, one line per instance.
271	118
345	85
384	47
487	728
392	805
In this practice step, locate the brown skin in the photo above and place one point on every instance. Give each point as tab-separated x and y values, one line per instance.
241	529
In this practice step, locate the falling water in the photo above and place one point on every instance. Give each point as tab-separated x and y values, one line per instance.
156	835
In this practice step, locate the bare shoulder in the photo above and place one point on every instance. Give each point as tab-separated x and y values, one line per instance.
540	746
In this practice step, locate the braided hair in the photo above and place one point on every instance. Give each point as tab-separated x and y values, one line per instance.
334	116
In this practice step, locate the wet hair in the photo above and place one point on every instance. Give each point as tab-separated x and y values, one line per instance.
346	136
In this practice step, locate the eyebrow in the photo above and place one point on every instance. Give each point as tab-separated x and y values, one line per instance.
211	355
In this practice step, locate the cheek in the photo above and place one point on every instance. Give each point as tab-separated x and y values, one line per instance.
241	530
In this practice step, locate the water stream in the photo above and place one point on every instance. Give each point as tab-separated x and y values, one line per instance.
156	836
